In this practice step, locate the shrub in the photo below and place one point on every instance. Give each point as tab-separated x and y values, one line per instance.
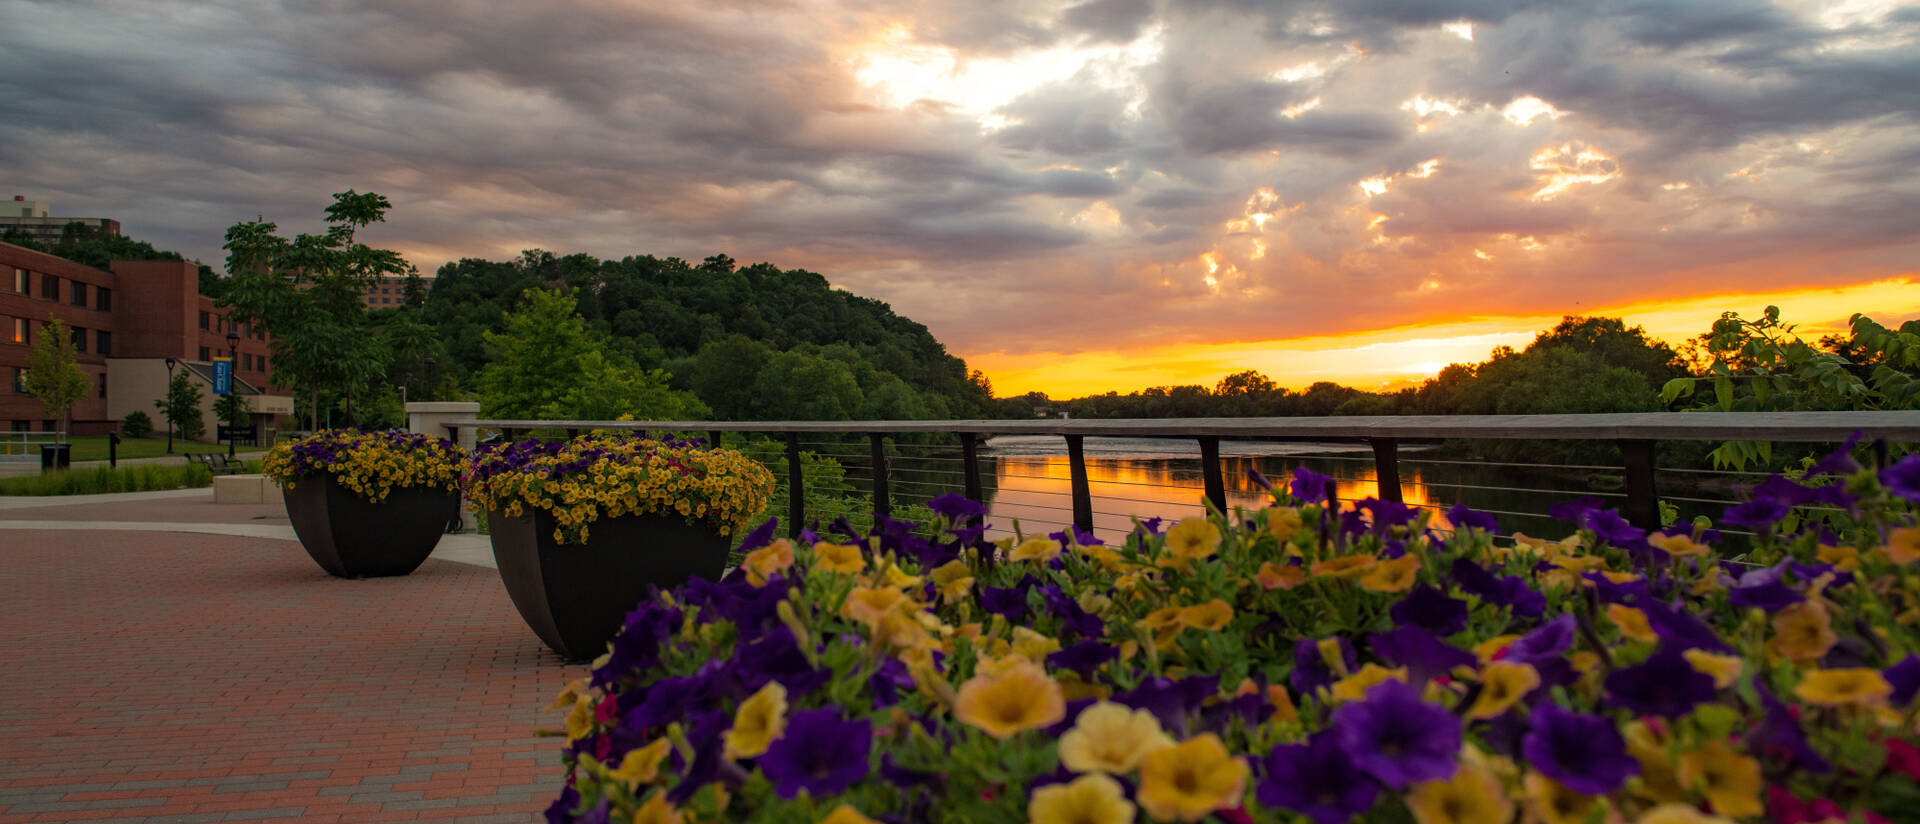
136	425
1379	663
101	479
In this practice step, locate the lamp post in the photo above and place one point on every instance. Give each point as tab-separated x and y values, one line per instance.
169	396
233	366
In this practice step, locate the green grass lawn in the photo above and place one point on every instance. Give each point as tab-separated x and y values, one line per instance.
94	447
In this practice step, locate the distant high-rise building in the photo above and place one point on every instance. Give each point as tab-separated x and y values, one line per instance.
34	218
391	291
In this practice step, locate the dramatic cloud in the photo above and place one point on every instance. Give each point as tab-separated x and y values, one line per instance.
1034	180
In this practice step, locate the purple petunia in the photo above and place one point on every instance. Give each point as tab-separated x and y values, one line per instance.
1382	515
1779	735
1311	486
1903	478
1505	590
1575	510
956	507
1905	678
818	753
1310	670
1398	738
1010	602
1317	780
1431	609
561	810
1763	588
1584	752
1680	629
1259	480
1173	702
1665	685
1424	655
1083	657
1838	462
1464	518
1758	513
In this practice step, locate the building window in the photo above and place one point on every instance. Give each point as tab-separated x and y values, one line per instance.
103	299
203	323
79	340
21	426
263	363
203	353
49	287
47	426
22	281
103	342
22	331
78	295
19	380
103	386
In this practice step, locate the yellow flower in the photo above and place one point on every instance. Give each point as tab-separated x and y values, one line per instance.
953	578
1679	546
1032	645
1017	698
760	719
845	814
1396	575
580	720
1111	738
658	811
1355	686
1550	802
1502	685
1160	619
867	605
1283	522
1730	781
1485	650
1903	545
1187	781
1279	576
1284	712
1837	687
1843	558
1038	548
1193	538
1658	780
642	766
1211	616
1679	814
1725	669
1471	796
1345	568
828	557
569	694
1632	623
762	563
1803	632
1089	799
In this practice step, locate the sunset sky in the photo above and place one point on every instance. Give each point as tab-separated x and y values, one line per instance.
1073	196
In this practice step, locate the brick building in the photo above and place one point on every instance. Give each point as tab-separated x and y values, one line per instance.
35	218
125	325
390	292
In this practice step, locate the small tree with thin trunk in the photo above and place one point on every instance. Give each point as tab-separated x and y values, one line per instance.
181	408
53	373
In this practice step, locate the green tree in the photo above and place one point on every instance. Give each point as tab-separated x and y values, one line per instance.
413	294
549	365
233	409
797	386
137	424
53	372
181	408
605	389
308	292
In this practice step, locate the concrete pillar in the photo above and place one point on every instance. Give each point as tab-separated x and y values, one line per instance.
430	418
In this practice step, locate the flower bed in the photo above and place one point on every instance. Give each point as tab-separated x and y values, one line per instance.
608	476
370	463
1292	664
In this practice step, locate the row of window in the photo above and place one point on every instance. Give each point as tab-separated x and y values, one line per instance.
27	426
248	361
21	331
20	388
219	323
77	291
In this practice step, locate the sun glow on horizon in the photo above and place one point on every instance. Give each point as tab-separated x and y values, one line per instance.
1391	358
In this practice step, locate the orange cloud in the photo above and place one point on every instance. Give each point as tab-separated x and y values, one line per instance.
1389	357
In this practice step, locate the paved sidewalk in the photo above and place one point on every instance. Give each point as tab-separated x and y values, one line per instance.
180	677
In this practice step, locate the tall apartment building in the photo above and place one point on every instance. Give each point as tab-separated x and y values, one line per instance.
125	324
34	217
391	291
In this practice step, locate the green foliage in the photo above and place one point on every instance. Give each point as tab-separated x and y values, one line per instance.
101	479
233	409
136	425
548	364
181	407
824	486
53	371
1760	365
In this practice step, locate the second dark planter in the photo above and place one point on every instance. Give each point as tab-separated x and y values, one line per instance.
351	537
575	596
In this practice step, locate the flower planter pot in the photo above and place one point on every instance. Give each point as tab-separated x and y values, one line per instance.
575	596
351	537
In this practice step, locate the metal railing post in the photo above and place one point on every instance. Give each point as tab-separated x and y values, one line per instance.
970	458
713	439
1643	504
796	495
1082	492
881	506
1386	467
1210	473
572	433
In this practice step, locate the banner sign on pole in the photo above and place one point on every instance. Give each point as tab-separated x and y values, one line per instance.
222	376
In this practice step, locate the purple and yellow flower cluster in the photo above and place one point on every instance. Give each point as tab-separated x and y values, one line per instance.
372	463
611	475
1300	663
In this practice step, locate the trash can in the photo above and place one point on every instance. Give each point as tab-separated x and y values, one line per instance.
55	456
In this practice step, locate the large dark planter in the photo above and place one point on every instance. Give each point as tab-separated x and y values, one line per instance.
351	537
575	596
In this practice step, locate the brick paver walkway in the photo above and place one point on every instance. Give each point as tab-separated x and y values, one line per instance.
168	677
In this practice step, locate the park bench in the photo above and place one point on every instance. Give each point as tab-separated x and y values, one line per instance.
216	463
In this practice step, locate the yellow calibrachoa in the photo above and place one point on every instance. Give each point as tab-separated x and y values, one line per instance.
642	766
1038	548
1211	616
1345	567
760	719
1397	575
1276	576
761	564
1840	687
1503	684
1679	814
370	463
1017	698
1089	799
1679	546
1903	545
1355	686
1283	522
1471	796
953	579
845	814
867	605
1730	781
1632	623
1111	738
1190	779
1550	802
1193	538
842	558
1802	632
1725	669
611	476
658	811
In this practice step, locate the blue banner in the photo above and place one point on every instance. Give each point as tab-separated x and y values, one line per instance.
222	376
